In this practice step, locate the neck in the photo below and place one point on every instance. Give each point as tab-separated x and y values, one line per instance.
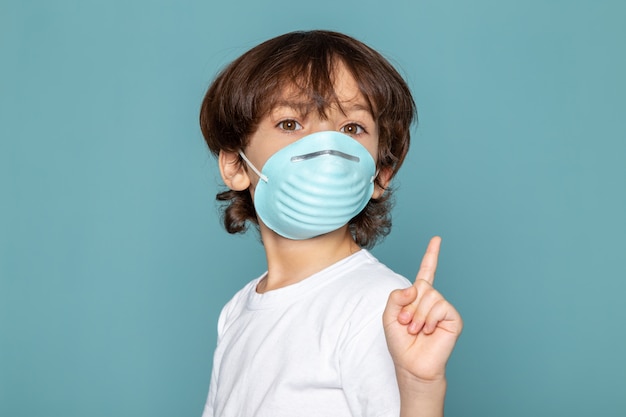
291	261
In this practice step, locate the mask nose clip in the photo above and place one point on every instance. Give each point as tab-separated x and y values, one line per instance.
332	152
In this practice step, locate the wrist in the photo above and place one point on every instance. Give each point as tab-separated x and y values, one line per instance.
408	378
421	397
413	385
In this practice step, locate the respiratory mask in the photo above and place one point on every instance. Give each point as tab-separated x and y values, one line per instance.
314	185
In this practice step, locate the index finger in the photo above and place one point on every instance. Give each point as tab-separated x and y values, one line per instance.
428	266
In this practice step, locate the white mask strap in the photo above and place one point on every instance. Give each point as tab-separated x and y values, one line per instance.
252	167
374	176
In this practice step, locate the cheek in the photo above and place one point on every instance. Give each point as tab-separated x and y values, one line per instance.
254	180
372	148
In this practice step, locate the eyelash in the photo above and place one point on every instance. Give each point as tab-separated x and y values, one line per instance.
359	128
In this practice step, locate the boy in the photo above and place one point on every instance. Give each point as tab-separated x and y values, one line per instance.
309	128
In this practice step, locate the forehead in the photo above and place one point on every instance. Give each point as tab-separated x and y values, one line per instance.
311	91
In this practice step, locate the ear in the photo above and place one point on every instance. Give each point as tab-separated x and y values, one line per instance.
383	178
233	172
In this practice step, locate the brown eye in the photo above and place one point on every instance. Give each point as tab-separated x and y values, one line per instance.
289	125
352	129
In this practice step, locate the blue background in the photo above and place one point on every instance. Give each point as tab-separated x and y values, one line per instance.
113	263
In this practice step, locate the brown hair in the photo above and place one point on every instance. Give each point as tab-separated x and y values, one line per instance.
247	90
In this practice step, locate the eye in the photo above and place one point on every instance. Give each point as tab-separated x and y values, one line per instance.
352	129
289	124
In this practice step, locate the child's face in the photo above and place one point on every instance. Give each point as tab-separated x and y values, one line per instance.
287	122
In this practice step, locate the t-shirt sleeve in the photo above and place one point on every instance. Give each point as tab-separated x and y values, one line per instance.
221	323
368	374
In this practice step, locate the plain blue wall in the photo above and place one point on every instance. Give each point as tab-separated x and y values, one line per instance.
113	263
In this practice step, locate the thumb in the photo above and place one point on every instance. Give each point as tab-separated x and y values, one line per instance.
397	300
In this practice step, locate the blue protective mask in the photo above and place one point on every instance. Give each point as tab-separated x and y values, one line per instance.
314	185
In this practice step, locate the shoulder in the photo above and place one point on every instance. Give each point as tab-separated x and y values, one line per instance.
367	277
236	305
359	288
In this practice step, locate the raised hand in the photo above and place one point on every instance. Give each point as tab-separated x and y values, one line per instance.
421	327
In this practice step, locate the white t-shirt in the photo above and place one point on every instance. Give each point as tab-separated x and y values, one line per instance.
315	348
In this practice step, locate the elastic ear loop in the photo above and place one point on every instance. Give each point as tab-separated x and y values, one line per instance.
374	176
252	167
